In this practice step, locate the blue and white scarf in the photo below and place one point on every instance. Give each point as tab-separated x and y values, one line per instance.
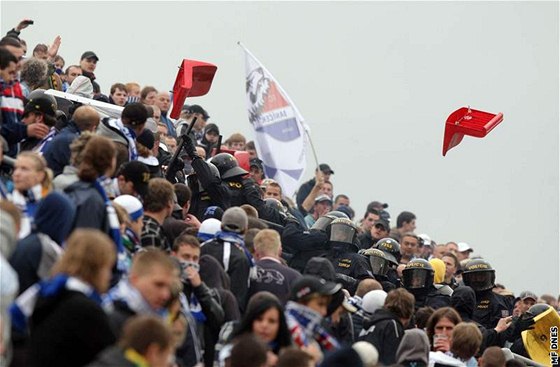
128	134
22	308
42	145
305	324
124	292
238	241
122	262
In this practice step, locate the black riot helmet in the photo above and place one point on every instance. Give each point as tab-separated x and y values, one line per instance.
379	261
342	230
418	275
323	222
227	165
391	247
479	275
277	205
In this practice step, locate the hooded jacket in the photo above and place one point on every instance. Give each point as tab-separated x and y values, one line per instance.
414	347
110	357
91	211
36	254
385	331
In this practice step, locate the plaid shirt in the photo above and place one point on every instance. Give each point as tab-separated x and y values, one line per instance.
152	234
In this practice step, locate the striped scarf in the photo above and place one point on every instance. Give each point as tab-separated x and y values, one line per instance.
42	145
23	307
305	326
122	262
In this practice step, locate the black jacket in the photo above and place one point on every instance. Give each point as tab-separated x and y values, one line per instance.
303	244
90	207
385	331
216	193
111	357
275	278
302	194
57	153
490	308
68	330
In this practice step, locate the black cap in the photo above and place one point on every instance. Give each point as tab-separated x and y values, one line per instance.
256	162
89	55
309	284
212	128
384	223
138	173
197	109
146	138
377	205
325	168
42	105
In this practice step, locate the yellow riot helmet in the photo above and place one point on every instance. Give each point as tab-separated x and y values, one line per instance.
542	342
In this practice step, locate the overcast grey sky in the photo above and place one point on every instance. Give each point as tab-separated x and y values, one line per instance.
375	81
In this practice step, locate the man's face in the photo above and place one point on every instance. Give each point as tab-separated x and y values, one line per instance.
212	136
9	73
237	145
256	173
59	64
32	118
88	65
368	221
18	52
327	189
463	255
154	286
73	73
119	97
163	101
40	55
439	251
341	201
526	304
409	226
171	144
322	208
272	192
378	231
452	247
409	246
187	253
252	153
200	121
450	268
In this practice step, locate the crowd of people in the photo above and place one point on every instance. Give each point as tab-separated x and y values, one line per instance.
141	240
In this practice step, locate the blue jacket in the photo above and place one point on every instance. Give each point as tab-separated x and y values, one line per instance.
57	153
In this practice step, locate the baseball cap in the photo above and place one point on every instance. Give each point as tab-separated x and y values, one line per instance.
132	205
384	223
208	229
235	220
257	163
463	246
373	300
323	197
212	128
89	55
138	173
42	105
309	284
377	205
146	138
528	294
325	168
197	109
426	240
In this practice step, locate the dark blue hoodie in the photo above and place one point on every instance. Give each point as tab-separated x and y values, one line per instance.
36	253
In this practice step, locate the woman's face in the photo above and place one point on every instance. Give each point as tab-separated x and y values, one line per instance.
150	98
26	174
267	324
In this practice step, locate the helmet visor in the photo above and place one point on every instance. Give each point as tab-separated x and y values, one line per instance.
479	280
379	265
322	223
341	232
416	278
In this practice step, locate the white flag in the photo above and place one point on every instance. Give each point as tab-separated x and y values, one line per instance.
280	136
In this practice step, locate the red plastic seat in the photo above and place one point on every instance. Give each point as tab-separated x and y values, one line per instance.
466	121
194	79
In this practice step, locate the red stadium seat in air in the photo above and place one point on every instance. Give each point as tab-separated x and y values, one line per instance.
194	79
466	121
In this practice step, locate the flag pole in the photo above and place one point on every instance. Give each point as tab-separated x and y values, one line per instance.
293	105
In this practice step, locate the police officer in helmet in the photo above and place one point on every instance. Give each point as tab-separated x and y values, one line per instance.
490	306
205	183
243	190
381	264
418	279
344	246
392	250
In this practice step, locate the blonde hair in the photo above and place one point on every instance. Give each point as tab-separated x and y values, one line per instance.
267	242
144	262
40	166
87	252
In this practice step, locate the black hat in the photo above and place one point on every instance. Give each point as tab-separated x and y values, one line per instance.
325	168
384	223
377	205
146	138
212	128
89	55
197	109
309	284
257	163
138	173
42	105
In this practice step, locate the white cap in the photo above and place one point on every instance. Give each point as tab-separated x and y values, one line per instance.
367	352
208	229
463	246
426	240
132	205
373	300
